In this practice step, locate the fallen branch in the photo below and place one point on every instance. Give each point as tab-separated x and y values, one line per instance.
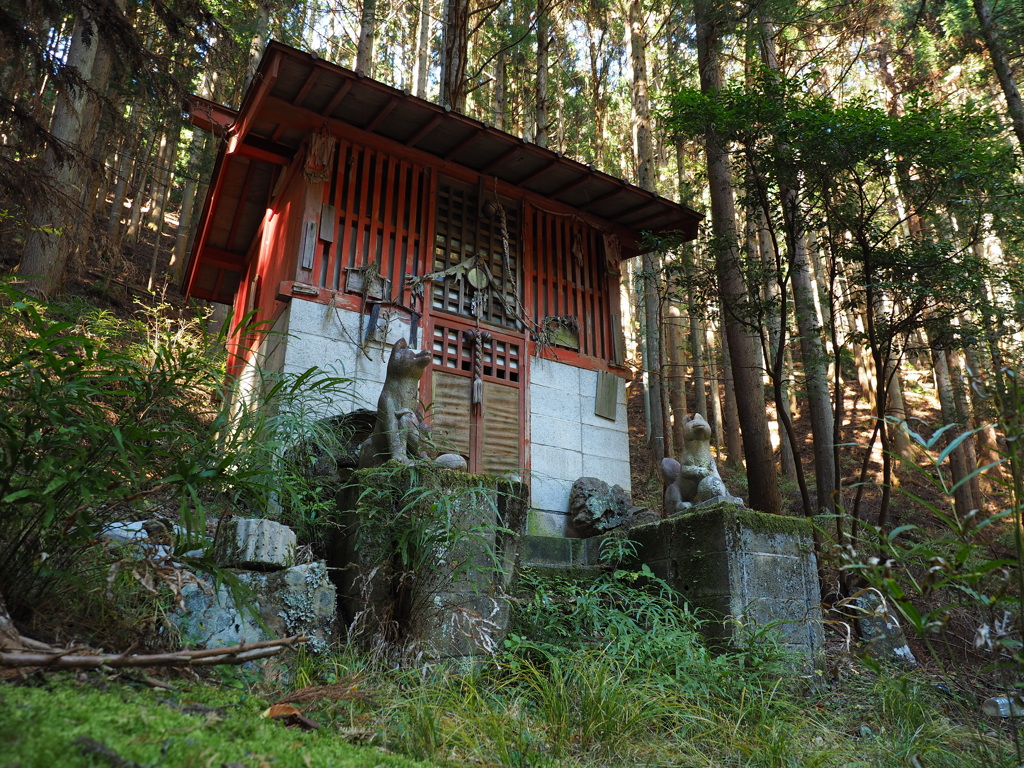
234	654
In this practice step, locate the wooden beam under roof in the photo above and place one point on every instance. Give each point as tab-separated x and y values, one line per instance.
602	198
500	159
218	257
336	98
539	172
572	185
425	130
381	114
464	144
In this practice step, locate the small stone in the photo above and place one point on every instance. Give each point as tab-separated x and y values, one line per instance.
880	630
255	544
596	507
452	461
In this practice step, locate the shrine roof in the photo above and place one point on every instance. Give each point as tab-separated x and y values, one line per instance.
295	93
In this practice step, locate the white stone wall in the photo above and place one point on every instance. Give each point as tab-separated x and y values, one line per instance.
267	361
568	441
327	337
307	335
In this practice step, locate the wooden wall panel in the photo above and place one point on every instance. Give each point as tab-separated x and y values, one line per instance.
569	277
450	411
381	204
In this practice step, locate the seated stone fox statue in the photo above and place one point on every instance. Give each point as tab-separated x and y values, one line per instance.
694	479
399	429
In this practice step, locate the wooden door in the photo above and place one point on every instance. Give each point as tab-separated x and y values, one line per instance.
488	432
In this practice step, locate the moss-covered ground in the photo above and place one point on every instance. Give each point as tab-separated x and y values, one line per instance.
87	721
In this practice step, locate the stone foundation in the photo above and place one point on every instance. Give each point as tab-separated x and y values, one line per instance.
427	558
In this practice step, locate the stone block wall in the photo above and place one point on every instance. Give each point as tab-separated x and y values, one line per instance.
569	441
307	335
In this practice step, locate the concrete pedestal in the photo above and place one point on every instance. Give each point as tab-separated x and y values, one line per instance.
748	570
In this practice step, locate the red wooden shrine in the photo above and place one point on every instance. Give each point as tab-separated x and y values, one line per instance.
335	189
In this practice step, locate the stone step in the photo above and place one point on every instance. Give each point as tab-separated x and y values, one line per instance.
558	551
574	573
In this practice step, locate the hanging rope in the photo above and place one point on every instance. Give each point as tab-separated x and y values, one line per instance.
477	339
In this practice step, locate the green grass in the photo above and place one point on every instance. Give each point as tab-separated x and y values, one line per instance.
197	725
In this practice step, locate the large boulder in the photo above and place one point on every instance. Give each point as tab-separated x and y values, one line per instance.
295	601
595	507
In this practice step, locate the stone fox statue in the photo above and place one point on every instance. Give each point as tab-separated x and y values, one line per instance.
695	478
399	428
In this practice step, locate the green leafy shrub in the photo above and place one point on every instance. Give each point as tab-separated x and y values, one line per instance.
109	421
954	587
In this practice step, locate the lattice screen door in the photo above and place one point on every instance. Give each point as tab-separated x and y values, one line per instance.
488	432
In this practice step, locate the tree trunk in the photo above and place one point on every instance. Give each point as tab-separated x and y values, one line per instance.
743	353
166	175
367	31
988	450
760	247
1001	65
954	361
676	376
500	92
731	435
47	247
670	448
700	398
423	49
124	170
543	46
259	40
650	264
896	413
716	417
595	36
455	49
963	498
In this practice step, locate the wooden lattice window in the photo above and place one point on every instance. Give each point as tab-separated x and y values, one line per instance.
469	236
568	275
375	210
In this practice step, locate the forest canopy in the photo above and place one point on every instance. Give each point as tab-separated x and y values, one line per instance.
859	166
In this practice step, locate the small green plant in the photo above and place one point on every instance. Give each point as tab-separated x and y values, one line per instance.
418	532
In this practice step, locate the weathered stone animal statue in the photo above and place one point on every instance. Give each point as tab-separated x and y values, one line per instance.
399	429
694	479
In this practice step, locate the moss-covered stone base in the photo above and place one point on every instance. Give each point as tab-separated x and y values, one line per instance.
427	557
748	570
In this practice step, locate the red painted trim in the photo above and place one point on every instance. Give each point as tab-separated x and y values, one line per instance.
249	111
307	120
579	360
